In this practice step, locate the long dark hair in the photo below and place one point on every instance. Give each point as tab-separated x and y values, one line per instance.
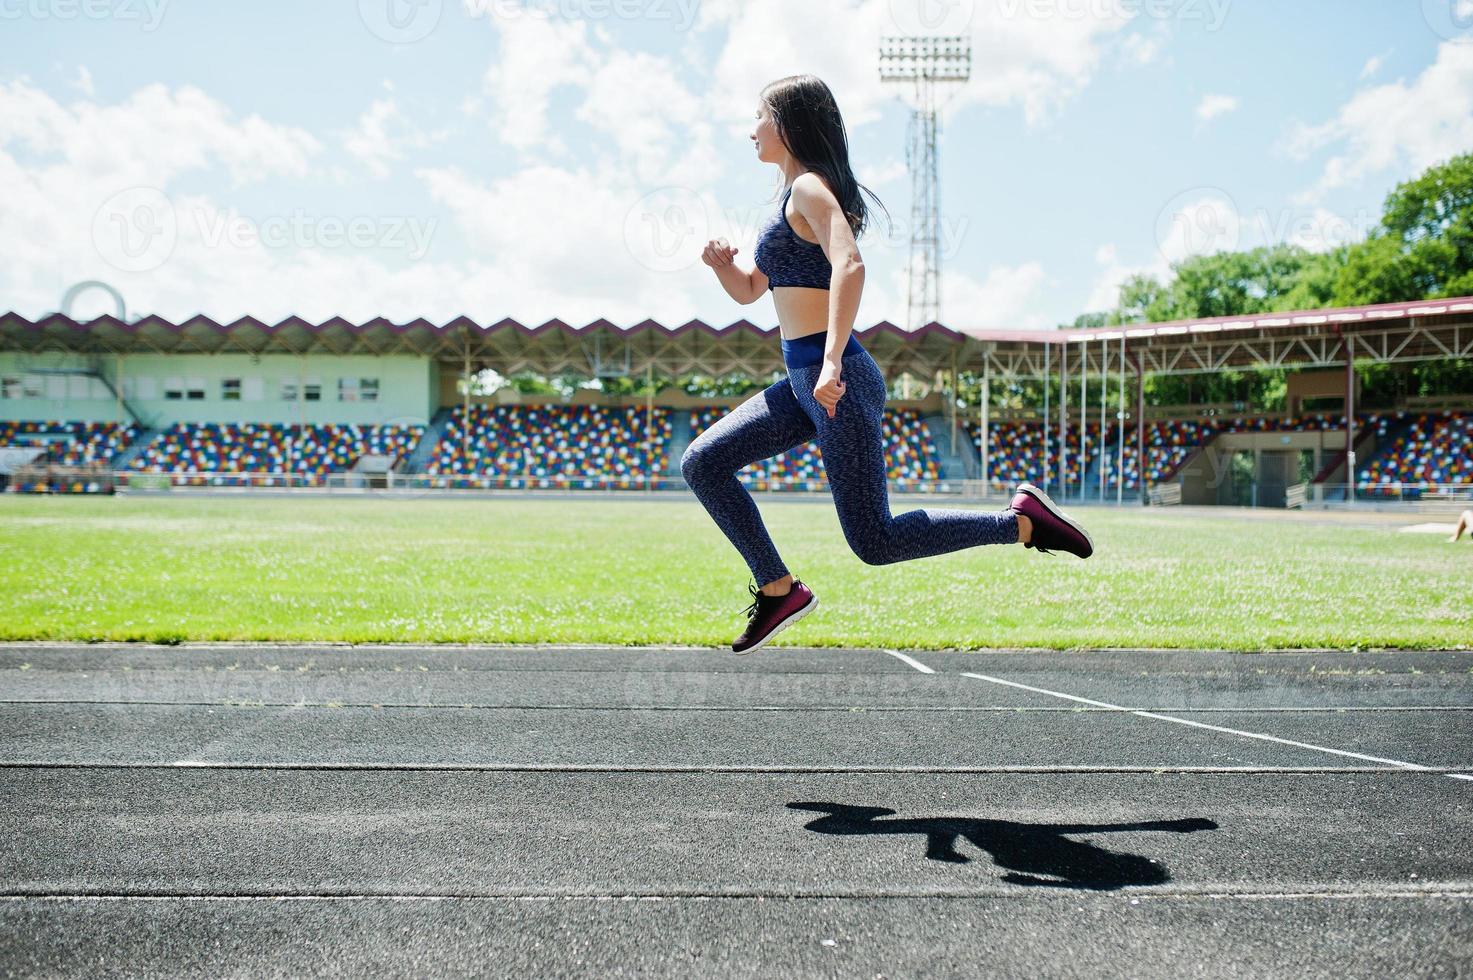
808	120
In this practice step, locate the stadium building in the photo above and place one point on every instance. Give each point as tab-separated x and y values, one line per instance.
106	404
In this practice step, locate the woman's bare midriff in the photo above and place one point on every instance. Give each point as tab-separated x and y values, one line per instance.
801	310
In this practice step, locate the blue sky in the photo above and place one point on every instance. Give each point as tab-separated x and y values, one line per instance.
569	158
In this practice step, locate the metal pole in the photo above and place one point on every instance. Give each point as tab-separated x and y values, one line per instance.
1104	384
1140	428
1120	465
986	421
1349	420
1063	421
1083	412
1047	449
953	399
649	425
465	402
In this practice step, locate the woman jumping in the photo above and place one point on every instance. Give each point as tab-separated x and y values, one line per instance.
808	257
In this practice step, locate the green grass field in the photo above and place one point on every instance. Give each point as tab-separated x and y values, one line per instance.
516	570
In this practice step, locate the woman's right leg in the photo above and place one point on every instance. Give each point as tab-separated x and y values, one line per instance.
765	425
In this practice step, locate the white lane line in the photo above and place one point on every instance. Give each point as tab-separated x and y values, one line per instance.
1041	690
1457	775
911	660
1217	728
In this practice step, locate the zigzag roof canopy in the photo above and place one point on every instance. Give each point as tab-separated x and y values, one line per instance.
1391	332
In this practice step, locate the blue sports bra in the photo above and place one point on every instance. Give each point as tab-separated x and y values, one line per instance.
787	260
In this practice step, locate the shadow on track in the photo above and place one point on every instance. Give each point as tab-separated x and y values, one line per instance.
1029	850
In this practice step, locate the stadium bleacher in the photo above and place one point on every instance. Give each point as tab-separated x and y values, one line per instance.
1018	451
88	442
310	449
910	454
1430	448
552	445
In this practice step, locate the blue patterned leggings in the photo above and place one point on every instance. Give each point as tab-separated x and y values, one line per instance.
784	416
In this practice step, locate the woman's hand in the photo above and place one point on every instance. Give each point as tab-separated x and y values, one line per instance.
829	389
718	253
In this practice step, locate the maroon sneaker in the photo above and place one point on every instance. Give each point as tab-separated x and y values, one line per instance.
768	615
1053	530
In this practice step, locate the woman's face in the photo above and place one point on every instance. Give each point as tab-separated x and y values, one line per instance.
769	145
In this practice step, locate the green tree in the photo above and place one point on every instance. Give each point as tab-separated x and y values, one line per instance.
1423	248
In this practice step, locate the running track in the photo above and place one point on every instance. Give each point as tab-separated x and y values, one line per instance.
319	810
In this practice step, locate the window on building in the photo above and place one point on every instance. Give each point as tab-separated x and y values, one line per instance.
347	389
288	389
174	389
312	390
368	389
230	389
253	389
196	390
10	386
33	385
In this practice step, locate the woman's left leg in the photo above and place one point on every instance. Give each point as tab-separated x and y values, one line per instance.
853	450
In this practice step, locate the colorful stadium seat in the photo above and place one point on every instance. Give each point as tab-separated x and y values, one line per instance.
910	455
552	446
311	450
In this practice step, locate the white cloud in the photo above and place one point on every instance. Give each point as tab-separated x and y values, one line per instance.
1394	127
1035	63
1105	294
1213	106
383	134
1007	298
83	81
1373	65
536	56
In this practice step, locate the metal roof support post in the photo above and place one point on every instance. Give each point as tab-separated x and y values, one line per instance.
1104	384
986	402
1047	449
954	396
465	402
1349	420
1083	413
1120	465
649	424
1140	429
1063	421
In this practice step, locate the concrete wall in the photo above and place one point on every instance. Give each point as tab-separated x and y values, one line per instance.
406	393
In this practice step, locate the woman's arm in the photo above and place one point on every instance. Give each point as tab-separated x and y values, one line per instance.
741	286
813	199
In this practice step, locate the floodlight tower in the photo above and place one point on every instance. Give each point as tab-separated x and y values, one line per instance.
925	63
